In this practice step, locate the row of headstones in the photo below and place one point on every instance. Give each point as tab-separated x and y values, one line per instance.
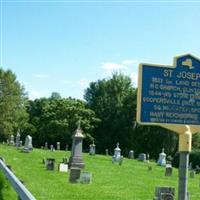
18	143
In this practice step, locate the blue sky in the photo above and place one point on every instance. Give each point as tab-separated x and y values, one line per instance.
61	46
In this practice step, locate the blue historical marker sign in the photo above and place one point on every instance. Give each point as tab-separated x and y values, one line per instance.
170	94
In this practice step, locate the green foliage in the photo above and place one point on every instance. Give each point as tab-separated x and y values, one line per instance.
6	191
114	102
194	158
12	105
55	119
196	141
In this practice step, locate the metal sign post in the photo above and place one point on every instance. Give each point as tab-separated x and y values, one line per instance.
169	96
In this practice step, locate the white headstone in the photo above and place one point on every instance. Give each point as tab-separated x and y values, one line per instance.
63	167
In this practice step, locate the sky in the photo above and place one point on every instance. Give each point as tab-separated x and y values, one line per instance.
62	46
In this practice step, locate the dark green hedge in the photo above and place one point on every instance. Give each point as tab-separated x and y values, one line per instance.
194	159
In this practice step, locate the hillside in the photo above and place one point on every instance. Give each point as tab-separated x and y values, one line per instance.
131	181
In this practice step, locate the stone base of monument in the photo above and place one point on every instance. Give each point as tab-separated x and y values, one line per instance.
76	162
74	175
118	160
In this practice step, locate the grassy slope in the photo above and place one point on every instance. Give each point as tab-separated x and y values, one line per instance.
131	181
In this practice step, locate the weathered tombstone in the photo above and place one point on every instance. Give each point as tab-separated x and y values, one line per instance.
131	154
63	167
85	177
76	159
92	149
11	141
106	152
20	143
46	145
168	170
17	141
67	147
58	146
50	163
51	147
28	144
74	174
162	158
142	157
192	173
164	193
117	158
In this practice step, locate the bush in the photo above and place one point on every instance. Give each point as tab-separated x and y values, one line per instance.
194	159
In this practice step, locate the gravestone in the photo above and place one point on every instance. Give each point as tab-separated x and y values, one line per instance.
106	152
117	158
142	157
162	158
63	167
164	193
28	144
85	177
51	147
50	163
17	140
74	174
46	145
58	146
11	141
131	154
168	170
20	142
66	147
92	149
76	159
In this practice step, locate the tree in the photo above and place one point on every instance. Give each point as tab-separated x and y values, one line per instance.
55	119
114	102
13	102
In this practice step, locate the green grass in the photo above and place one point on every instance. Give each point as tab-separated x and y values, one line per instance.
131	181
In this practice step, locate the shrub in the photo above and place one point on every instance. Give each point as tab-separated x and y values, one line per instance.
194	159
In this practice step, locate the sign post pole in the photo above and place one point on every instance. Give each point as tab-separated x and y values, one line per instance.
184	149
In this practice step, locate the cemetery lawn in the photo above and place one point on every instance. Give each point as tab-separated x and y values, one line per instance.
131	181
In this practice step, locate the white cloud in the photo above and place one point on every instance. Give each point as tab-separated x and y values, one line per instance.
41	76
34	94
125	66
134	78
111	67
130	62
